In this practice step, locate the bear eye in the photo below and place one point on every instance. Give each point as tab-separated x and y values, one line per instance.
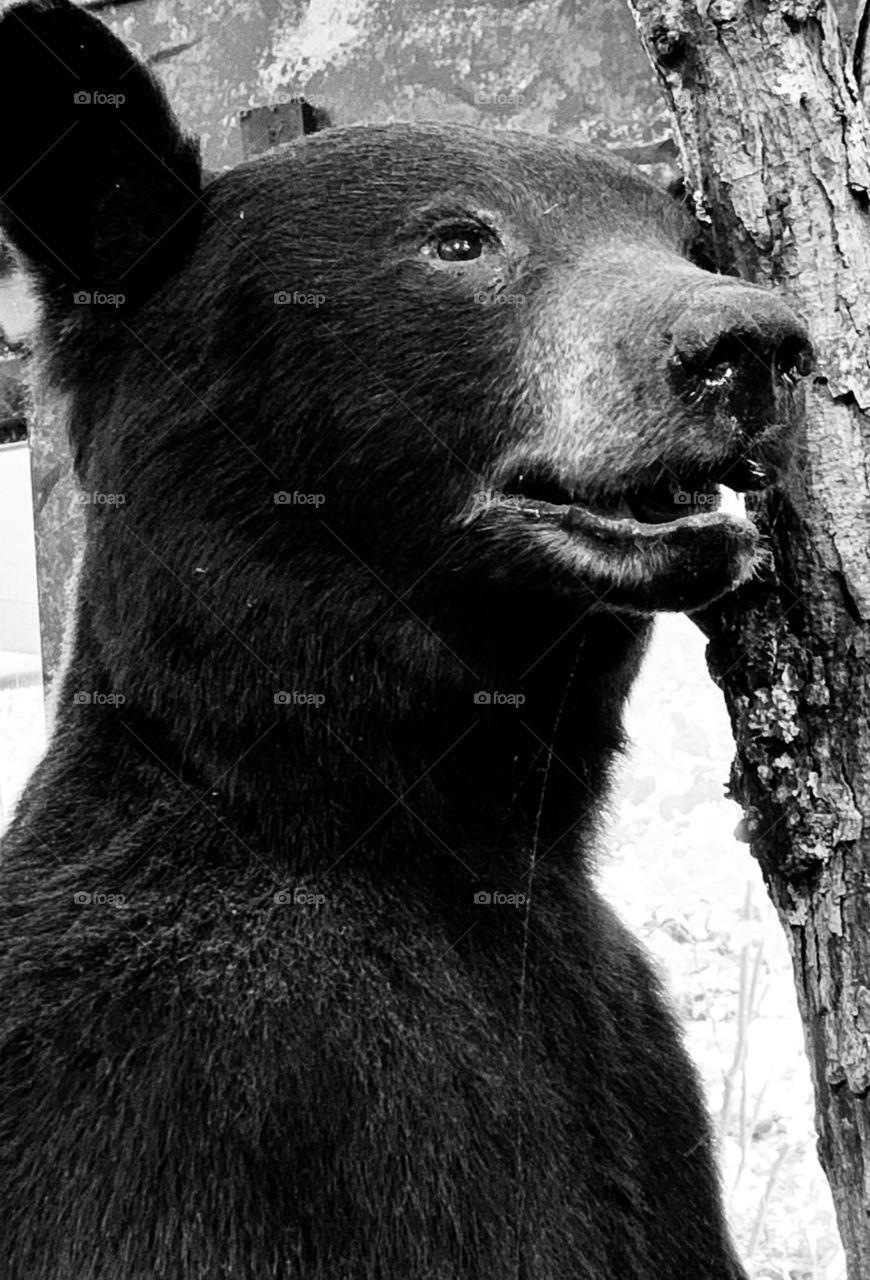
459	244
459	239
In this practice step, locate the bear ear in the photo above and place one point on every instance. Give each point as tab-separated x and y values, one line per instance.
99	189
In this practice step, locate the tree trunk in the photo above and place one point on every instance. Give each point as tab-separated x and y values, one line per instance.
774	143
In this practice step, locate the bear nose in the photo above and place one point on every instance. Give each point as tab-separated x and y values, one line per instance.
738	341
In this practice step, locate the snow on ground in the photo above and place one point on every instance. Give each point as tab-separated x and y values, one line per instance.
696	897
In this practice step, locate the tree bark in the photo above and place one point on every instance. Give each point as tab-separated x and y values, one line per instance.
774	145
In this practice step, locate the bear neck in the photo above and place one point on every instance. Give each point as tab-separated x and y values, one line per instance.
428	763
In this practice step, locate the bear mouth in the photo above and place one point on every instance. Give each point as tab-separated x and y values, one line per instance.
687	499
661	543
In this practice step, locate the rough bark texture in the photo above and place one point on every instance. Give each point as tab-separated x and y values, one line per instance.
774	145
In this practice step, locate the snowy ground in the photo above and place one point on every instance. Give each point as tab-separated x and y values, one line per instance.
695	896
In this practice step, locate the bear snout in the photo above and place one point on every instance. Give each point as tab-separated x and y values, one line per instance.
740	348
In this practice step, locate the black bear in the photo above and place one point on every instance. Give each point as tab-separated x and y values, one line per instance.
393	443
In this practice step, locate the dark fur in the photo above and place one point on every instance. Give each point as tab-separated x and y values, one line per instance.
395	1083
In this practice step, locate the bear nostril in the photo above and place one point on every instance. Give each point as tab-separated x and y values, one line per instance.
794	358
719	362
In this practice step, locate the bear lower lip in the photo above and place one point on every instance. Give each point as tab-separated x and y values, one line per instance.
622	562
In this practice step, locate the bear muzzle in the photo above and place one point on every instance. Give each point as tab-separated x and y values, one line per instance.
737	353
658	540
